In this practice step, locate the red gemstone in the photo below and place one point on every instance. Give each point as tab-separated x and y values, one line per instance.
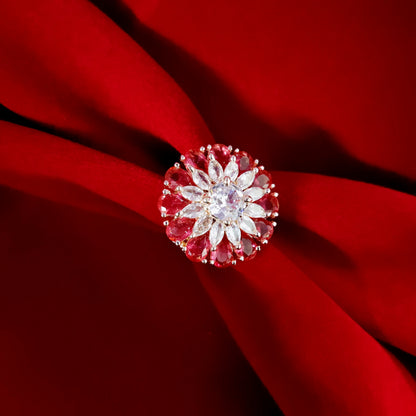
196	159
269	203
177	177
248	248
245	161
180	229
197	249
263	180
223	255
170	204
221	153
265	228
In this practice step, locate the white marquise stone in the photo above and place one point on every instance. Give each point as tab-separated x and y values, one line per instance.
216	234
246	179
202	225
254	193
231	170
247	225
201	179
233	234
255	211
195	210
192	193
215	170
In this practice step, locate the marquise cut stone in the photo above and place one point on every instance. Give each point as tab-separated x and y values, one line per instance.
194	210
246	179
192	193
255	211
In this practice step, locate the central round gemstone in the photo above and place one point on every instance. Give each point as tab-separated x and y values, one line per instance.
227	202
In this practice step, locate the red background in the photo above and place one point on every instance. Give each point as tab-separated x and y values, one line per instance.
100	313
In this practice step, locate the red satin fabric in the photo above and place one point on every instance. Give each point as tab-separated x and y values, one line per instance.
101	314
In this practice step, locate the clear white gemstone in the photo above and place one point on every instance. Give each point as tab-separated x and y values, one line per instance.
215	170
202	225
195	210
247	225
233	234
255	211
254	193
192	193
216	234
231	170
227	202
201	179
246	179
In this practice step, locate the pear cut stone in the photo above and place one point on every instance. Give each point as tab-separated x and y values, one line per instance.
227	202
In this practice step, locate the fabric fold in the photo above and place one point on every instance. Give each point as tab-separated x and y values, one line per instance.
62	171
356	241
311	355
304	313
93	82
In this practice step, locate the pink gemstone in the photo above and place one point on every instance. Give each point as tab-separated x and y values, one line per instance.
197	249
265	228
177	177
170	204
245	161
248	248
223	255
269	203
221	154
180	229
196	159
263	180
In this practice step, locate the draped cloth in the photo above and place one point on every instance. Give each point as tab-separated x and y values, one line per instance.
100	313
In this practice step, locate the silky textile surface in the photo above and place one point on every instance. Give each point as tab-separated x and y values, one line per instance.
101	314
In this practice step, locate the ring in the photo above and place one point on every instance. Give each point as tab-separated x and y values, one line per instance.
218	205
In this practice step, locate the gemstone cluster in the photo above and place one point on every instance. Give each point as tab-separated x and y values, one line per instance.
218	205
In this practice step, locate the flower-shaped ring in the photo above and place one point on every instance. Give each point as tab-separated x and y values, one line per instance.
219	207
